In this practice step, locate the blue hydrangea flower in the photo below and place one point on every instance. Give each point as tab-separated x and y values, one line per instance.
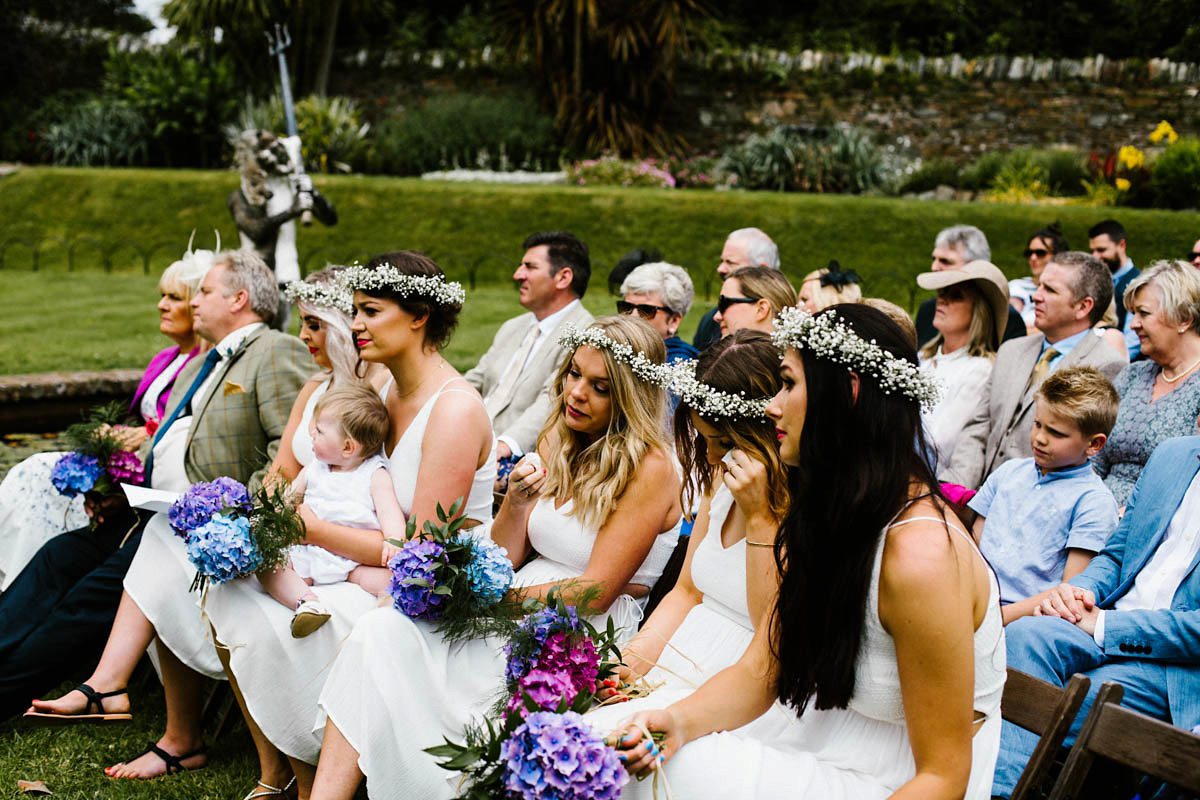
489	573
222	548
415	579
76	473
560	756
201	501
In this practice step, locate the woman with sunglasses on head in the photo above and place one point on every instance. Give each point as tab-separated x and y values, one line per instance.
971	310
661	294
885	637
751	297
1042	247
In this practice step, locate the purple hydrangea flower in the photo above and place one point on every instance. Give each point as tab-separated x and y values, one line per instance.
75	473
545	688
223	548
560	756
202	500
522	650
126	467
572	656
415	579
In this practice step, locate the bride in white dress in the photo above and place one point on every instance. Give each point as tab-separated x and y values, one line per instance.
601	514
886	637
706	621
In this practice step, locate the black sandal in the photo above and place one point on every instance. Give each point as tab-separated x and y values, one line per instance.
94	700
174	763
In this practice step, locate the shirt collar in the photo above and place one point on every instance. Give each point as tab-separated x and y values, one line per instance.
551	322
1060	474
230	344
1064	346
1126	267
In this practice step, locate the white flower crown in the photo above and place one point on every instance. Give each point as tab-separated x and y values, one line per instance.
827	336
330	295
432	287
679	377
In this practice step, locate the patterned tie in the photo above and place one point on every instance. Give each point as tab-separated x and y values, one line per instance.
210	361
1041	368
502	394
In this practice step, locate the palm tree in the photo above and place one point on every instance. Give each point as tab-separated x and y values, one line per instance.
608	66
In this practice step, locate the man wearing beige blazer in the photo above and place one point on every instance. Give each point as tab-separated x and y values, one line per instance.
516	374
225	416
1075	290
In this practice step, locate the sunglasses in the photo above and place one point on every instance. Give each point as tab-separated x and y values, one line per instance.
644	310
723	302
1036	251
952	293
1192	256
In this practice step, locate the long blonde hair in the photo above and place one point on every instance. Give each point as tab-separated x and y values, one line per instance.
595	474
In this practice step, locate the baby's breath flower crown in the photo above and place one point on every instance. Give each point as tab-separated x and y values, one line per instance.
679	377
430	287
827	336
331	295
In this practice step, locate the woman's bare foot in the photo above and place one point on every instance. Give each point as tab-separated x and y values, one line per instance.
76	702
150	765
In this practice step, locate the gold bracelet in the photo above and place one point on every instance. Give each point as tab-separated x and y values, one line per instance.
760	544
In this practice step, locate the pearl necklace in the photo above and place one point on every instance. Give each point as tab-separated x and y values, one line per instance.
1163	372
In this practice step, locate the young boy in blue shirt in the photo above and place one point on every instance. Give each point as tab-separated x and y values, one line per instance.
1042	519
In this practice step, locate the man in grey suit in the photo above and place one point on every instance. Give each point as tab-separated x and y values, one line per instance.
515	375
1075	290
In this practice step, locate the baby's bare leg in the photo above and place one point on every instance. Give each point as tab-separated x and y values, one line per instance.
375	580
286	586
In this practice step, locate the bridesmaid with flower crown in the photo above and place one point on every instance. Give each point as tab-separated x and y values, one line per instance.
596	515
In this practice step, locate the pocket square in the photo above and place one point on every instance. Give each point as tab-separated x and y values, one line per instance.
233	388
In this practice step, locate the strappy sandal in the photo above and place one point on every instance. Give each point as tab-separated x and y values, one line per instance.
174	763
270	791
94	700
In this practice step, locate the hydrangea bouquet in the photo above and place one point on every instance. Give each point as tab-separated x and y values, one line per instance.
449	577
98	460
548	754
228	534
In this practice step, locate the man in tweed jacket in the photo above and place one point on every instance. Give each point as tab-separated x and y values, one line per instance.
55	617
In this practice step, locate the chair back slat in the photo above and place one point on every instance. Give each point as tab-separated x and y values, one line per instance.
1148	745
1044	709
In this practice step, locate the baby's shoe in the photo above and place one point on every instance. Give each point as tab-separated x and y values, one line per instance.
309	616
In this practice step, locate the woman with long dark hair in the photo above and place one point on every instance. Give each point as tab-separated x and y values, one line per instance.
886	638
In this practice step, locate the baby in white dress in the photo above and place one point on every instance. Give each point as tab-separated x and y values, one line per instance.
346	484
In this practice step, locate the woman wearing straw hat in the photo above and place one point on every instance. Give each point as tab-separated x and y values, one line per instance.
971	310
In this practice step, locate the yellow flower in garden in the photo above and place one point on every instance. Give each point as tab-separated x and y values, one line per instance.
1130	157
1123	184
1164	131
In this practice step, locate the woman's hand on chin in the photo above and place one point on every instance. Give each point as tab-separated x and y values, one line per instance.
747	481
642	755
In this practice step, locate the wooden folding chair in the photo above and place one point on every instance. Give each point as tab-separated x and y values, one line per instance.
1132	739
1044	709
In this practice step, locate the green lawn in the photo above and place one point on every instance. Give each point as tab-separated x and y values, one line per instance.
89	319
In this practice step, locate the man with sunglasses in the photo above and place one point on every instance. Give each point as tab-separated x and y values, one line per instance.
515	374
1194	256
954	248
745	247
1106	240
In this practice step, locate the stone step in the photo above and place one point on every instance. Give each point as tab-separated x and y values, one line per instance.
51	401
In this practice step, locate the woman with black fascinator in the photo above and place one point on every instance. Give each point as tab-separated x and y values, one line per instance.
885	640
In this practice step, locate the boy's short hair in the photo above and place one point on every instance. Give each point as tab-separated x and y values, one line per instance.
1084	396
360	412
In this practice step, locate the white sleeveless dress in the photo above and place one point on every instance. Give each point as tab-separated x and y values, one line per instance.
861	752
710	638
344	498
281	677
159	577
397	687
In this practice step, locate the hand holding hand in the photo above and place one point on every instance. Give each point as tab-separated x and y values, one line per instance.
388	550
1066	601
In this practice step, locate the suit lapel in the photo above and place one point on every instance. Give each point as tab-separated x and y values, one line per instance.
221	370
1164	507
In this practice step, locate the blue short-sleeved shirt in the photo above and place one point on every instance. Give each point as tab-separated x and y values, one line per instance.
1032	518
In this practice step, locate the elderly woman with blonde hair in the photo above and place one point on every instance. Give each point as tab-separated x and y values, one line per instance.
1160	395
